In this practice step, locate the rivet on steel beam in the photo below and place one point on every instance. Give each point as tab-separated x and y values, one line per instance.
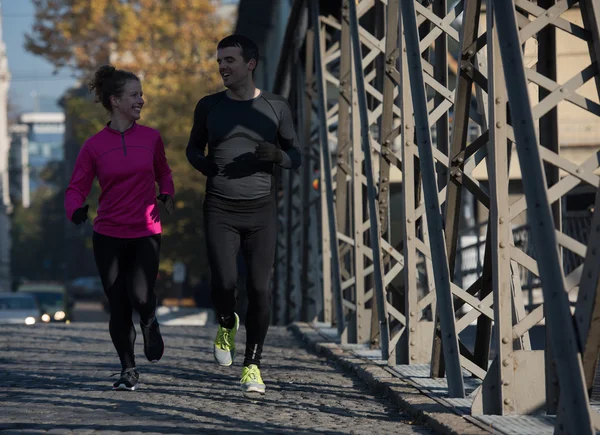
505	340
501	220
507	402
412	314
506	383
410	238
412	329
502	245
413	357
499	100
505	362
412	343
499	124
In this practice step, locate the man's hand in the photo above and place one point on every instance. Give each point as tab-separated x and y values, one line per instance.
267	152
168	202
208	167
80	215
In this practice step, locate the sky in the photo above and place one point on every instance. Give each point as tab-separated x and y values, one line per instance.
32	84
33	87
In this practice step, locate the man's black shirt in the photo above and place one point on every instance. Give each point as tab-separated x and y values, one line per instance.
233	129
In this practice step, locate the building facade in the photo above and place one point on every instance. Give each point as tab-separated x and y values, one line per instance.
36	141
5	204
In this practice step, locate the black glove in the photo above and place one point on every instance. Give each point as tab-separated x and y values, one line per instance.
267	152
80	215
168	202
208	167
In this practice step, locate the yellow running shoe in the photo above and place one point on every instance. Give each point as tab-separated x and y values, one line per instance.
251	380
225	343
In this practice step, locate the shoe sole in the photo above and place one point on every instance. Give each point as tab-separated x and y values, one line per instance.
156	360
225	365
123	387
253	390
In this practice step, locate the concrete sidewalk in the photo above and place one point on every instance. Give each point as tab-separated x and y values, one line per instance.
411	388
182	316
56	379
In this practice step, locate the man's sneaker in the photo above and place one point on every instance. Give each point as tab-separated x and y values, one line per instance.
154	346
251	380
128	380
225	343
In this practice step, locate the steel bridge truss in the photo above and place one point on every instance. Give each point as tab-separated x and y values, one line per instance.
375	88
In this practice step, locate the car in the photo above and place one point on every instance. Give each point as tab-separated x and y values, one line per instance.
52	298
86	288
17	308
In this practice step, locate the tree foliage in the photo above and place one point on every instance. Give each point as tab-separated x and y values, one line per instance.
171	46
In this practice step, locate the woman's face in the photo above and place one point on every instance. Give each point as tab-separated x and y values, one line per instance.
129	104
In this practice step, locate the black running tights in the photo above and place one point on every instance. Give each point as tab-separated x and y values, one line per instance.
128	269
252	226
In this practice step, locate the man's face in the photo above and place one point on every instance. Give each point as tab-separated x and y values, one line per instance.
232	67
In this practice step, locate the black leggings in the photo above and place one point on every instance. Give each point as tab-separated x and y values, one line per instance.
252	226
128	269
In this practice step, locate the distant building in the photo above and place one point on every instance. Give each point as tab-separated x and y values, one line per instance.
5	204
36	141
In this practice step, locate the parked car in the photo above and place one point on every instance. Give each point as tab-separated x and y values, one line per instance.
52	298
19	308
86	288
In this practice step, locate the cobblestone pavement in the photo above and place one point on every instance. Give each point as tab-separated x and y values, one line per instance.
56	379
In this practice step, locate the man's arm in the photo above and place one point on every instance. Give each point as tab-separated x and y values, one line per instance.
288	140
198	140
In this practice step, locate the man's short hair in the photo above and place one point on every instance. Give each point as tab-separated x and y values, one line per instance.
248	47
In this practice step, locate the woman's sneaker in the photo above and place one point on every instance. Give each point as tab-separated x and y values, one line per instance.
154	346
128	380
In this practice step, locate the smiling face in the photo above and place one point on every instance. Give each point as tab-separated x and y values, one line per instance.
232	67
130	103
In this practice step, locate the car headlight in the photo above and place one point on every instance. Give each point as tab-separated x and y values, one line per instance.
59	315
45	317
30	320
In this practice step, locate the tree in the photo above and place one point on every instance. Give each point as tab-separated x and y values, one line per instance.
171	46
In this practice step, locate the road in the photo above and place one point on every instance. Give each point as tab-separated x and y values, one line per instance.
57	378
89	312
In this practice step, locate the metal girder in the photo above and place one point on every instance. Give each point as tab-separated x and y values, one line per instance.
327	202
374	101
445	304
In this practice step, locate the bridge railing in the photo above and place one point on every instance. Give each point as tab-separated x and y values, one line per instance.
437	94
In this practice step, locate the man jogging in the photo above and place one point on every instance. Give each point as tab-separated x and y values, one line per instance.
248	132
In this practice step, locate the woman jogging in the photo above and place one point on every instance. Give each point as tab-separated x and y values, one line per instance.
128	160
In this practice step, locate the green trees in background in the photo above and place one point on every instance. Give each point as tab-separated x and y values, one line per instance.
171	45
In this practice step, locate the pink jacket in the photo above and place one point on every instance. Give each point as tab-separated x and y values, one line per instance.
127	166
